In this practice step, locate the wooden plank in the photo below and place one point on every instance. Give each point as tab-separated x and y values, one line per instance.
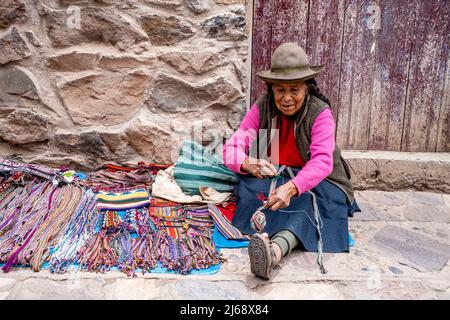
443	132
391	75
290	22
443	129
299	22
391	86
325	28
427	75
359	43
261	44
275	22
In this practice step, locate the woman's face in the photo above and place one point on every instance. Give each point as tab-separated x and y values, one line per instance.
289	96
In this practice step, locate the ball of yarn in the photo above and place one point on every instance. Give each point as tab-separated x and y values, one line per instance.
258	221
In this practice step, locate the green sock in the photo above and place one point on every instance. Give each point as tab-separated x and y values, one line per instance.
286	240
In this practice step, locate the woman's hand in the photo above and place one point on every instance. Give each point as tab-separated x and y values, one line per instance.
281	197
260	168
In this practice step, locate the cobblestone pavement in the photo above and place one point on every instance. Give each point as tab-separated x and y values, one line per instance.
402	251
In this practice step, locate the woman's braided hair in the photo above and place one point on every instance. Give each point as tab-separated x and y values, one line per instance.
314	90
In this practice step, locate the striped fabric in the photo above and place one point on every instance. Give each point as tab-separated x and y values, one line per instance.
197	212
224	226
198	221
132	199
166	212
196	167
30	168
172	228
159	202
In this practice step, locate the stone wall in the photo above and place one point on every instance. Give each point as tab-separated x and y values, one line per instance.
84	82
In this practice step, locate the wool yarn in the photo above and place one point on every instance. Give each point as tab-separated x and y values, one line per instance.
258	221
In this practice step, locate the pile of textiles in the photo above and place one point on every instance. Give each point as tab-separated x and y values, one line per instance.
198	166
137	231
105	219
114	176
36	207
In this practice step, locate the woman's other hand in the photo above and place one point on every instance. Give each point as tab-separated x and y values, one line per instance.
281	197
260	168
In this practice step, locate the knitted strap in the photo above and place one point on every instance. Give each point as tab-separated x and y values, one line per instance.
317	218
320	243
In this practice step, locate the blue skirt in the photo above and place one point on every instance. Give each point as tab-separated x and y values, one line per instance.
299	216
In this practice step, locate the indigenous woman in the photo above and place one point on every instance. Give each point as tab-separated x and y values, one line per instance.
297	183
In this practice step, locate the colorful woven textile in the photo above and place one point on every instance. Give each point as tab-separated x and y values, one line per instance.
197	167
152	167
79	229
224	225
33	169
109	200
43	222
113	177
33	221
228	209
177	238
222	242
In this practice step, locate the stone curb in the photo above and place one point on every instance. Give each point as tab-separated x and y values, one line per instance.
393	171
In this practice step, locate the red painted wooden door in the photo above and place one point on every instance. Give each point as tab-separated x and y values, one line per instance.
387	65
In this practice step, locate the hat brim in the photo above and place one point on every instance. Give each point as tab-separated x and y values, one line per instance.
271	77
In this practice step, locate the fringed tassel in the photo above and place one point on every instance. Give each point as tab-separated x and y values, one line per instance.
203	252
144	253
88	255
186	257
179	259
126	262
215	256
59	265
10	222
199	253
110	219
158	245
14	257
97	253
166	252
9	263
109	253
174	262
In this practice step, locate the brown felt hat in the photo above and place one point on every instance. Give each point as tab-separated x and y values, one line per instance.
289	63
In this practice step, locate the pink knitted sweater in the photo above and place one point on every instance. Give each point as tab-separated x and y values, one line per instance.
315	170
